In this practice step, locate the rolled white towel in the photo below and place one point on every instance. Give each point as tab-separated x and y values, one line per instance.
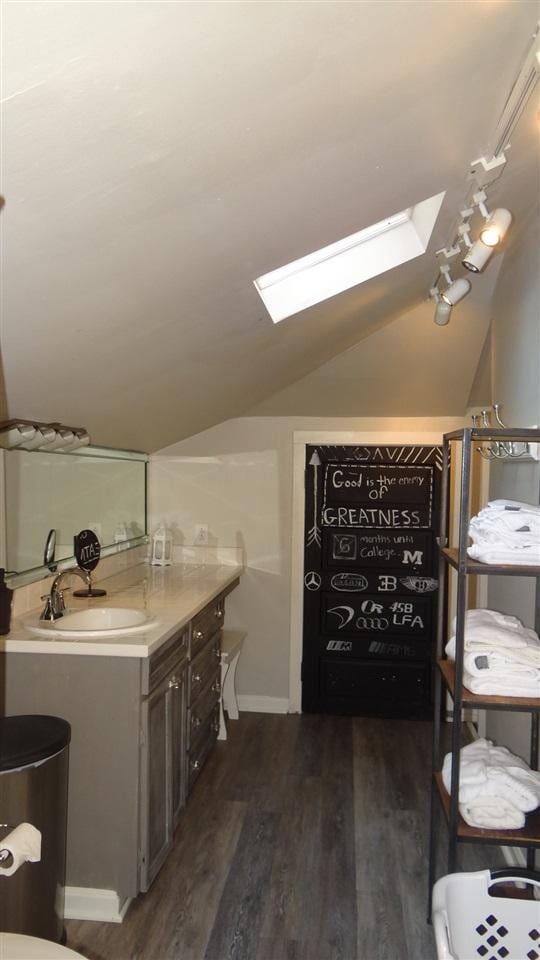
492	813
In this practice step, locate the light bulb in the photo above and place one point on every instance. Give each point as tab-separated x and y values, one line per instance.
495	227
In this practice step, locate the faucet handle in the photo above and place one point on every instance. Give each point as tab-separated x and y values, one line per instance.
47	612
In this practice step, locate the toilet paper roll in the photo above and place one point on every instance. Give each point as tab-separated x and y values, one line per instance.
23	843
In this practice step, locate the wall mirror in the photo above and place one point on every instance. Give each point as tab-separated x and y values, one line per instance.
93	488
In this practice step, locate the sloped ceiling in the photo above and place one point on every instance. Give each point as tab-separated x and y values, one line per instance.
159	156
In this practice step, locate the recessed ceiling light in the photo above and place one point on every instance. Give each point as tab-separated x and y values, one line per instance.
349	262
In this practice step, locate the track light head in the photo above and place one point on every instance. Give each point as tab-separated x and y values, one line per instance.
442	313
496	227
456	291
476	258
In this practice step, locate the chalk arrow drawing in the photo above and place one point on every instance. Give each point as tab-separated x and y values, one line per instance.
314	533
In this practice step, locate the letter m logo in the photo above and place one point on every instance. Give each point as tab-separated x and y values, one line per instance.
414	558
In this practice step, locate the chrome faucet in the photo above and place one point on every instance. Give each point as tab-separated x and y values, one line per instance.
54	601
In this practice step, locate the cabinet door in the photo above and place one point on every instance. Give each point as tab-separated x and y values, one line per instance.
163	773
156	787
177	684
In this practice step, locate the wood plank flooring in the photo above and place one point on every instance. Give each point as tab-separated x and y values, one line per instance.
305	839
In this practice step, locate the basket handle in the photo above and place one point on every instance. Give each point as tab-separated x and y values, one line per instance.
530	877
440	931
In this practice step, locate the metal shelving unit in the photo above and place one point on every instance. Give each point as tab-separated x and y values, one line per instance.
449	676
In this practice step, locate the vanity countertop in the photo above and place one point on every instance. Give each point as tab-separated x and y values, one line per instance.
173	594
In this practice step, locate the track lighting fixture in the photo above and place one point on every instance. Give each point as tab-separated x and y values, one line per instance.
476	257
442	313
496	227
491	234
456	291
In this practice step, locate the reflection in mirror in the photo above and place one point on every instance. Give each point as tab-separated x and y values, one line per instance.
98	489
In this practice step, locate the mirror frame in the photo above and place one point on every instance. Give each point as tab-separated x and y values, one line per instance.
66	563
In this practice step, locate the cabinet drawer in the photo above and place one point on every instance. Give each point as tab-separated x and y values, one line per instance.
203	667
385	680
206	624
203	706
163	660
203	746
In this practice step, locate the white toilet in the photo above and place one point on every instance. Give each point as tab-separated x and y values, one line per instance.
17	946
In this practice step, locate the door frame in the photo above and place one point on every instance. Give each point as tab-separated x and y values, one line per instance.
301	439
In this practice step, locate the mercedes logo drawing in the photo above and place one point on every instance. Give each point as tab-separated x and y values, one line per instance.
312	580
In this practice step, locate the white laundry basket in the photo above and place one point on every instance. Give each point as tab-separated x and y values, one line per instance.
471	924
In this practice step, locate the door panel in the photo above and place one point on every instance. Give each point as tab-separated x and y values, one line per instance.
370	579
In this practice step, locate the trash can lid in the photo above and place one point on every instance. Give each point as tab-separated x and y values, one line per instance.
28	739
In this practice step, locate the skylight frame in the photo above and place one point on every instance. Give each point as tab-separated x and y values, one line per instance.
356	258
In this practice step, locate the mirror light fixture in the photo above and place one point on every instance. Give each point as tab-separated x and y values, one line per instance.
32	435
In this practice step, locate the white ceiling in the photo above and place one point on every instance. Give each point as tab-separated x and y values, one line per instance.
158	157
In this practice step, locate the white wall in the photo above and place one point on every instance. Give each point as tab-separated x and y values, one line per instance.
238	478
516	384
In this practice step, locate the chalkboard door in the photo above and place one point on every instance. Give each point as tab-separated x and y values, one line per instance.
370	587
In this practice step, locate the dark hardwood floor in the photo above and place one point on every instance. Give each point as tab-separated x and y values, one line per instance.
305	839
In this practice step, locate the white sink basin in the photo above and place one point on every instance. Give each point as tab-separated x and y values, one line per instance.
96	622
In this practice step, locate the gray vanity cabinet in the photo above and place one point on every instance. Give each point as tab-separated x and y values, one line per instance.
132	760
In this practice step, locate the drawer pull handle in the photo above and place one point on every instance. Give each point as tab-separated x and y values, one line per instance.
195	764
219	614
174	683
199	635
216	686
196	678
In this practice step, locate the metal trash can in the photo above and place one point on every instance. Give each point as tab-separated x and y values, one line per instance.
34	753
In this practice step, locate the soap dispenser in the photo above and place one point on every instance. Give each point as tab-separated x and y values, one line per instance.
5	604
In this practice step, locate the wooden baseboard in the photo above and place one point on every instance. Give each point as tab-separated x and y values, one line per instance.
255	704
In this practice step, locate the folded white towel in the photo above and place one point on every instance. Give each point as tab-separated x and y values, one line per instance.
497	666
527	555
491	771
482	617
492	686
492	813
517	784
501	505
504	637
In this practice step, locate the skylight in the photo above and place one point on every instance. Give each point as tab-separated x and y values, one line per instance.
349	262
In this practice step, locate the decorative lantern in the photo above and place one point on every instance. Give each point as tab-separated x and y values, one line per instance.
162	547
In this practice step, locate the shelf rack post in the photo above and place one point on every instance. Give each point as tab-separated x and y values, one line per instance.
449	676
